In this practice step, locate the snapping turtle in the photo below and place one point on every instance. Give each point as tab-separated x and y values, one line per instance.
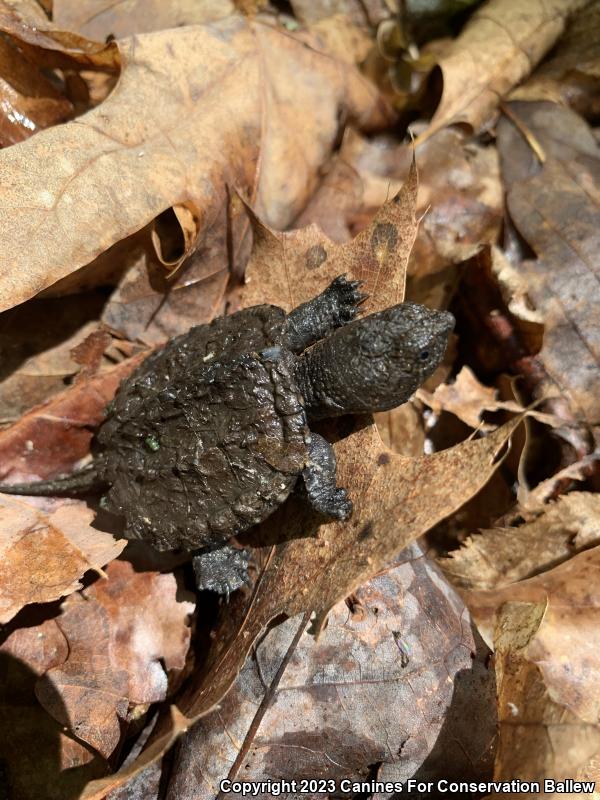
209	435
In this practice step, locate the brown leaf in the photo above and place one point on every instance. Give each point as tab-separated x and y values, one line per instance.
394	680
318	565
499	556
556	208
46	45
285	268
460	200
500	45
366	14
28	100
218	123
560	741
44	556
572	75
89	352
138	625
36	360
467	398
148	308
99	18
40	760
564	647
52	438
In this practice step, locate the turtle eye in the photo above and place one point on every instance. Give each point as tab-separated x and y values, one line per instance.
424	355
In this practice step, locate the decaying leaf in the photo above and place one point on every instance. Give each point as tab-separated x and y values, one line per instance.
467	398
555	207
572	74
498	48
214	100
44	555
140	637
393	681
51	439
500	556
547	668
40	760
36	360
559	741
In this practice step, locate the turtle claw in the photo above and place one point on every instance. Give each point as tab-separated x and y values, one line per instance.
346	298
222	569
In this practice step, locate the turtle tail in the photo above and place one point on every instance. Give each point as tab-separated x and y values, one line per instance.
81	482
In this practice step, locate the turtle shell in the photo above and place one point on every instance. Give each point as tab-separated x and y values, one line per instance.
209	434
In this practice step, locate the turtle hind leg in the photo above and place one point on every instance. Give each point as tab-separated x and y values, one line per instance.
331	309
320	481
221	569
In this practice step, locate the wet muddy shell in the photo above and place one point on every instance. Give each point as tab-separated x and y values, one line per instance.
208	436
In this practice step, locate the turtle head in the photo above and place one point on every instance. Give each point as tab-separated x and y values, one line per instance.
377	362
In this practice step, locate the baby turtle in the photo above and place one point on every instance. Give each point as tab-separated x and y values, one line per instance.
209	435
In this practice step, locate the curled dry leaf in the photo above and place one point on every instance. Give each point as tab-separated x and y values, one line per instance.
393	680
140	638
560	741
499	556
230	104
498	48
99	18
318	565
556	208
572	75
50	47
44	555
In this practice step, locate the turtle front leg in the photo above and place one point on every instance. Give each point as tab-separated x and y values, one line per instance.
331	309
320	481
221	569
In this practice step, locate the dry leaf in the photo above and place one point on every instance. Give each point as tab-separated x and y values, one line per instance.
395	680
36	360
39	759
140	636
101	18
44	556
499	46
460	199
366	14
547	668
555	207
318	565
287	269
559	741
51	439
38	38
572	75
499	556
467	398
564	647
113	170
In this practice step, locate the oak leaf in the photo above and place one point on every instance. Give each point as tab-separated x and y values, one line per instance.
302	564
500	45
45	555
125	635
230	104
